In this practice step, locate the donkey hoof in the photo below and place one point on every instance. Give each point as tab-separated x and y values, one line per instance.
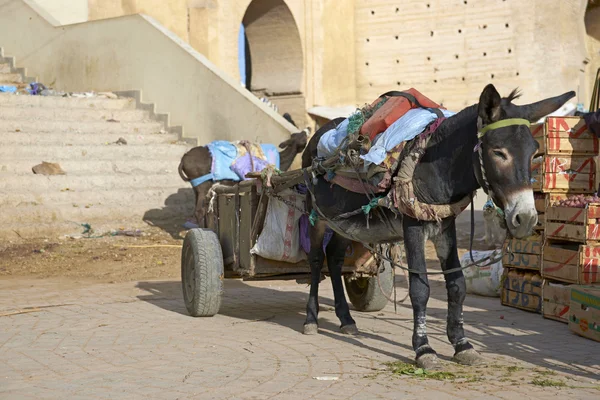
469	357
349	329
429	361
311	329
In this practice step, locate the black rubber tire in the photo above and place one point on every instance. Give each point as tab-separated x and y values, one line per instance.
364	293
202	272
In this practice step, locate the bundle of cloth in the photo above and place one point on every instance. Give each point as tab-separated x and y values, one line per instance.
233	160
393	122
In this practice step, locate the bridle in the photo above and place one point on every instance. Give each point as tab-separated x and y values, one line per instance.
481	131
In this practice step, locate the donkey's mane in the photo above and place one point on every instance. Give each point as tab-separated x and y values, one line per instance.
515	94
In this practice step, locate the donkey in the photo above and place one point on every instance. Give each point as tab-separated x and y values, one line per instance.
449	170
197	162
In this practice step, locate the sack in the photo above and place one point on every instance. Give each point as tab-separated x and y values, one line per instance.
391	111
484	281
280	237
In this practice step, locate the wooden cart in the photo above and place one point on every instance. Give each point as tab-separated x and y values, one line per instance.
234	223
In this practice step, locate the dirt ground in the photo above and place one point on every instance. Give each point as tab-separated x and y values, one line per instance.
156	255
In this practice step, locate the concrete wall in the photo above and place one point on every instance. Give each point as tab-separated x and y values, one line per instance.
135	52
65	12
322	59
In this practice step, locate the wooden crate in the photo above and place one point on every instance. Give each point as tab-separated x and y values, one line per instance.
584	312
538	133
573	224
541	200
556	300
567	135
522	289
574	174
571	262
523	253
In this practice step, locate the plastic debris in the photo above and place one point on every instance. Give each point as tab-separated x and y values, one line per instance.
326	378
36	88
8	89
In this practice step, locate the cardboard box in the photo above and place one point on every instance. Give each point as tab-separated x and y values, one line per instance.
522	289
573	224
567	135
584	312
571	263
556	301
523	253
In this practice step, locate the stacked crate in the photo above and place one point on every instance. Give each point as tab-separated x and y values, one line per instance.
570	253
565	165
522	283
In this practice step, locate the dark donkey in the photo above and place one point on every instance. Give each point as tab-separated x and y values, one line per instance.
449	171
197	162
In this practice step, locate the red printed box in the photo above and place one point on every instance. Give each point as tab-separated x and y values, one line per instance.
571	263
567	135
573	224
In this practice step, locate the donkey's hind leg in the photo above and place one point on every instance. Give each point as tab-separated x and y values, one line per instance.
336	253
316	256
445	246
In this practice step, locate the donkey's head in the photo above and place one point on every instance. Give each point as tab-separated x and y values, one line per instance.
507	148
297	141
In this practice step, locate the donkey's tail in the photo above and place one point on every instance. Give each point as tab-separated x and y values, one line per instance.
181	173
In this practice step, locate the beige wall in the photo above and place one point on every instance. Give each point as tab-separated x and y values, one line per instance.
135	52
592	20
450	49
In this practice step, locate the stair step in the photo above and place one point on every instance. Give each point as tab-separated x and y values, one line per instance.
160	197
22	138
10	77
83	153
96	103
27	125
76	114
55	183
81	214
92	167
5	69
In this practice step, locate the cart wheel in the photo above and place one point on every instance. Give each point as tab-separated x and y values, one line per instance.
202	272
365	294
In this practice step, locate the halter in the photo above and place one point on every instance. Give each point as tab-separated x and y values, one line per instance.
481	132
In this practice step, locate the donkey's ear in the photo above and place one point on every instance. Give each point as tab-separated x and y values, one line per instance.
285	144
489	105
535	111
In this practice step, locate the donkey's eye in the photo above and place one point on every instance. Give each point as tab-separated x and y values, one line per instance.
500	154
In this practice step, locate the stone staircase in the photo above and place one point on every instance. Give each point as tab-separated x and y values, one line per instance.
107	185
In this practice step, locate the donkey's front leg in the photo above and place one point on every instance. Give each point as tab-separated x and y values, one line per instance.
445	246
316	256
336	253
414	243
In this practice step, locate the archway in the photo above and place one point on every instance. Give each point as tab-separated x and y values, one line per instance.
273	63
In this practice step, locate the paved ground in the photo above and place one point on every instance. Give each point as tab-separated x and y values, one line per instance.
135	341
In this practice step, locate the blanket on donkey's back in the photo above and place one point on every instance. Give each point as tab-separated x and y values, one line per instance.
403	129
226	155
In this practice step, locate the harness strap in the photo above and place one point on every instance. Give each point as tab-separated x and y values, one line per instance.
201	179
503	123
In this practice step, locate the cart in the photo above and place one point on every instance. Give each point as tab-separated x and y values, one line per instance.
222	250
